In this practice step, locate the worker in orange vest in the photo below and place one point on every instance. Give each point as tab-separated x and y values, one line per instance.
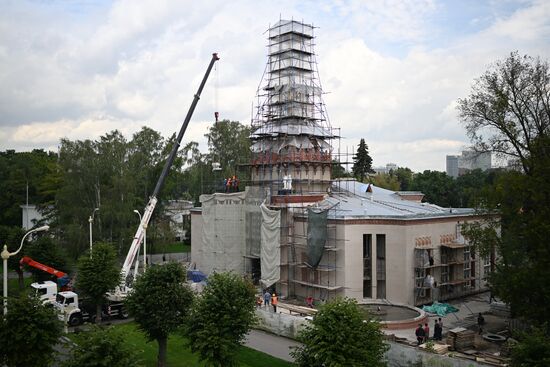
274	301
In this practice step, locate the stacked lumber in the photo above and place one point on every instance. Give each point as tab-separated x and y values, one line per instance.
460	338
435	348
493	360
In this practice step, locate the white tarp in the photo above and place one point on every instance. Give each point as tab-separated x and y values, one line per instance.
270	246
223	232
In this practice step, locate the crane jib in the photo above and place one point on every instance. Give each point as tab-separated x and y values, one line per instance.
153	199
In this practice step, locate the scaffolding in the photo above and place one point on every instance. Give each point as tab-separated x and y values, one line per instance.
447	270
291	133
292	158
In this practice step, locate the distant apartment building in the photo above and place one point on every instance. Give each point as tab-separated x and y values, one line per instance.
452	165
389	167
457	165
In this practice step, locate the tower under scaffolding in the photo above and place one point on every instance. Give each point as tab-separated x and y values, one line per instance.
292	157
298	231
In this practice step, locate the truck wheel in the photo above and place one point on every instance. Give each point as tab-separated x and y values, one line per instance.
75	320
123	313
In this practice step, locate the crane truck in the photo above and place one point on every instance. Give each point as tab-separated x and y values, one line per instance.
47	291
67	302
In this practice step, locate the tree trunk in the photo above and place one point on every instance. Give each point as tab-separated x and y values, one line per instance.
161	358
98	313
20	278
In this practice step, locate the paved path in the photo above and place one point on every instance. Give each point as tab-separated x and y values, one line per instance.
274	345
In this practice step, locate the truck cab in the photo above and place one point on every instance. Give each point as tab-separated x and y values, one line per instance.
46	291
67	305
74	313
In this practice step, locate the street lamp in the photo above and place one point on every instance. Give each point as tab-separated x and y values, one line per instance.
144	240
6	255
91	221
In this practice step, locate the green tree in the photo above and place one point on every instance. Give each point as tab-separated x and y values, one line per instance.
229	145
159	303
338	170
470	187
362	165
221	317
404	177
386	181
102	347
339	336
46	251
508	108
533	349
508	113
98	274
29	333
11	236
437	187
21	174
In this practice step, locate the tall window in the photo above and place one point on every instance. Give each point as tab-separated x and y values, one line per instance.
367	265
381	266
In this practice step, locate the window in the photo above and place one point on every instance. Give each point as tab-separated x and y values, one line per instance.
367	265
381	266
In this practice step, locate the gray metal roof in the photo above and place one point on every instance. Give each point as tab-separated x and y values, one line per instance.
350	199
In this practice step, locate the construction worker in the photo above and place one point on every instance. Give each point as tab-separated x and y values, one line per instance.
274	301
267	298
228	185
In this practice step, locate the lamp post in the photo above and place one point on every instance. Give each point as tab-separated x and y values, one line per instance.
144	240
91	221
6	255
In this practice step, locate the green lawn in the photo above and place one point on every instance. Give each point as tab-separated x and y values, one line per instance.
13	285
180	356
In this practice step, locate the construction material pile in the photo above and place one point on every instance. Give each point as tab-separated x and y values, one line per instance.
460	338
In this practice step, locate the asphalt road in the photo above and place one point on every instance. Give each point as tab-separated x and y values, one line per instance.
274	345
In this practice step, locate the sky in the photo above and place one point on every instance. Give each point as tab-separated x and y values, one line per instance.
392	70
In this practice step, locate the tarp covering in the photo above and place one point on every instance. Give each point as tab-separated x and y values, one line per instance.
270	247
196	276
440	309
223	232
253	220
316	236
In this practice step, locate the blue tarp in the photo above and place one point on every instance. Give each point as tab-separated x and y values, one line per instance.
196	276
440	309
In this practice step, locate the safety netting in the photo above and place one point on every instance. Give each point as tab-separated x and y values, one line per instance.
270	246
253	220
316	236
223	232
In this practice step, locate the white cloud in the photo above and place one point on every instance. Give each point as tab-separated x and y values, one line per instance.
129	64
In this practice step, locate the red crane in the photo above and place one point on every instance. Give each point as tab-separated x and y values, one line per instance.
62	277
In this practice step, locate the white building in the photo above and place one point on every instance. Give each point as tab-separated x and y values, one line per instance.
375	244
468	160
30	216
385	170
319	237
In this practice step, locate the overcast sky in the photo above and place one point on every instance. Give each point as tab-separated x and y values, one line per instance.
392	70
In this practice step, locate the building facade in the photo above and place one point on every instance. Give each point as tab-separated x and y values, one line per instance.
296	231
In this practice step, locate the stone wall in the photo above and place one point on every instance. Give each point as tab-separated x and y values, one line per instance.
399	355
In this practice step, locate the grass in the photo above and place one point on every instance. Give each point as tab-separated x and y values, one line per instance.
171	248
13	285
180	356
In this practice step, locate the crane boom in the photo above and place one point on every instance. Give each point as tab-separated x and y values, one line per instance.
62	277
148	212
